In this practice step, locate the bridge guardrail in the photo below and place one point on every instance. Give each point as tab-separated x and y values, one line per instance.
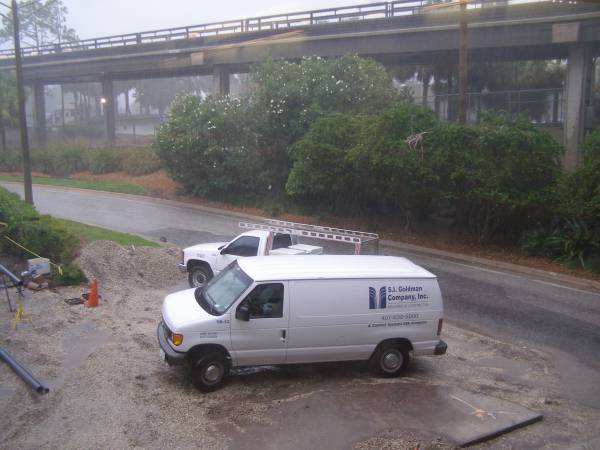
360	12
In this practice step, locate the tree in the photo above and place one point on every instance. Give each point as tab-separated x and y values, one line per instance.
288	97
8	105
41	23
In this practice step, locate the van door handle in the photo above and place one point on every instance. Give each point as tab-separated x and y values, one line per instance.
283	334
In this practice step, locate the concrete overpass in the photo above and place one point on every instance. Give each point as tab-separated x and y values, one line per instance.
399	32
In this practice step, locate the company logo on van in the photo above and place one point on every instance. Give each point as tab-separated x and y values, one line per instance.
377	303
397	296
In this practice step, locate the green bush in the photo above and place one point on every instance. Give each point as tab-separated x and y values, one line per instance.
398	178
239	149
140	161
572	241
574	237
504	180
323	171
71	275
39	234
106	160
11	161
13	210
289	97
591	148
354	163
208	147
579	192
46	238
60	159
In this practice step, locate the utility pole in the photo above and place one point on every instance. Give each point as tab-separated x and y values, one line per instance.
462	64
21	100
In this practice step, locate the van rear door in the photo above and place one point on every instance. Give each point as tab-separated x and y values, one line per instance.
262	339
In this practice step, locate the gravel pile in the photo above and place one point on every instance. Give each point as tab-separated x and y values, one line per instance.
113	265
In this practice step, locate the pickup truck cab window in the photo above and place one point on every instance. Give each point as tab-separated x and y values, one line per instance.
265	301
243	246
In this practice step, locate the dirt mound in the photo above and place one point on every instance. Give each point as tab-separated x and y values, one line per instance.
114	265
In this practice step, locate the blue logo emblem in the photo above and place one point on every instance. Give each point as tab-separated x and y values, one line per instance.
377	303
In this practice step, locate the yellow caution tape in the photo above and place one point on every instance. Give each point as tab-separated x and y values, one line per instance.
34	254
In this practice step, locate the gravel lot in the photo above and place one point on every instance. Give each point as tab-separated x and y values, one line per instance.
110	390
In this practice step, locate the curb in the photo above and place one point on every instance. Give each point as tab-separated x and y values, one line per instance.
552	277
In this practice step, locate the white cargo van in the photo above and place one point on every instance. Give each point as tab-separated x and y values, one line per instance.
303	309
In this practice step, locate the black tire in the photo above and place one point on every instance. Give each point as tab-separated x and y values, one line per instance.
209	371
198	276
390	360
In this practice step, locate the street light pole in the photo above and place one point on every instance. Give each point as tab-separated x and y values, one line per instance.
21	100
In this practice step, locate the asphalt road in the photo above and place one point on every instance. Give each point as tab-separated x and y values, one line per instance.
557	319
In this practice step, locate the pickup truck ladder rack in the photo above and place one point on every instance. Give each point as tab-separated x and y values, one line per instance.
316	232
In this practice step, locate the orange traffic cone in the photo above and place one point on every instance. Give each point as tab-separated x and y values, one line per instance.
92	300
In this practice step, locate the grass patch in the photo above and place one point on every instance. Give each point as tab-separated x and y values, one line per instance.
90	233
100	185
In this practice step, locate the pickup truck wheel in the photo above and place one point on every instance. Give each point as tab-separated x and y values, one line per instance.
209	371
390	360
198	276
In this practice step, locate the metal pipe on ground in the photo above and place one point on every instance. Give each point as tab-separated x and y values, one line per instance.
25	375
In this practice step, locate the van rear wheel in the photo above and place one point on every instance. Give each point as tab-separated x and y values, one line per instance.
390	360
209	371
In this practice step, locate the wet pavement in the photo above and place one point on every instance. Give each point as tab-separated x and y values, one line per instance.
459	417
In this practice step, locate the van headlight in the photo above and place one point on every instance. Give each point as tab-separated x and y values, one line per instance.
177	339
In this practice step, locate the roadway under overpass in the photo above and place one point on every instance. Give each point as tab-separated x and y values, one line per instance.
497	31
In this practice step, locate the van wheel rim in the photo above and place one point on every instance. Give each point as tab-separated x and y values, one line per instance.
391	361
212	374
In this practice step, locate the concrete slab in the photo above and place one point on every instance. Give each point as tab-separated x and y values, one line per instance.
326	419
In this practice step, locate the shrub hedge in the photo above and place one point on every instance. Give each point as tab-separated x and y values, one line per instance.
61	160
40	234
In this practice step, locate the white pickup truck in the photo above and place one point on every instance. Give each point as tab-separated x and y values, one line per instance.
204	261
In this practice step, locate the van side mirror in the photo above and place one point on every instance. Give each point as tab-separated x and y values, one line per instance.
243	312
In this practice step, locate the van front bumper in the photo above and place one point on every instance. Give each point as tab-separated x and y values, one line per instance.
182	267
169	355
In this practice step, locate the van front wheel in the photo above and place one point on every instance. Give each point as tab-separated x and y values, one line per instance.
390	360
209	371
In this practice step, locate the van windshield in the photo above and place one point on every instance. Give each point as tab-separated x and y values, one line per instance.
220	292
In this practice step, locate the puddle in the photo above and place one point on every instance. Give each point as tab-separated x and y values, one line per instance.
511	368
78	343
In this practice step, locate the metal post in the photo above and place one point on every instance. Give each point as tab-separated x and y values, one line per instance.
579	71
40	113
108	97
21	100
62	107
462	64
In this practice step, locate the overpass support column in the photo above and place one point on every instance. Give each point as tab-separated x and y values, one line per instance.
109	110
39	111
220	80
577	89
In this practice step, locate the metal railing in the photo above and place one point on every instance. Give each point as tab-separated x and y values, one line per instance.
543	106
369	11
